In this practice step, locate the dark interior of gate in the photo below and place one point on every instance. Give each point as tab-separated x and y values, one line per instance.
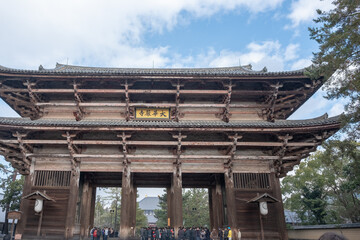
246	187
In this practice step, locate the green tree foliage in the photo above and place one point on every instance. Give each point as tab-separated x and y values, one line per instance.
338	35
161	213
11	186
195	208
326	186
107	209
113	195
141	219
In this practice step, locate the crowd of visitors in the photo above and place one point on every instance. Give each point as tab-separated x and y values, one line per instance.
102	233
190	233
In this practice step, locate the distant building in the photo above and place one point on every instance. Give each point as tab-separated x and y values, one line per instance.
149	205
2	215
292	218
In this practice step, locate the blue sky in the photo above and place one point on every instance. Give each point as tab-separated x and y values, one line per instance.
163	33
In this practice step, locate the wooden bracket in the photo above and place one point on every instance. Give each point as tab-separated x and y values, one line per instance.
125	153
34	99
225	115
271	100
73	149
79	114
177	163
24	149
176	112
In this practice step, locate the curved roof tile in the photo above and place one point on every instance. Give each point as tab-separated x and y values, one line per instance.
63	69
170	124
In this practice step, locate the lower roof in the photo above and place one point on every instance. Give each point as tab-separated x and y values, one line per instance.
320	121
199	123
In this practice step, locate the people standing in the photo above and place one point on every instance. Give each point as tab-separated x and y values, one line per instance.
106	233
229	233
181	233
226	232
239	234
221	234
213	235
92	233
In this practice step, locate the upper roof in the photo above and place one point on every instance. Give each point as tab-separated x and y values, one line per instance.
63	69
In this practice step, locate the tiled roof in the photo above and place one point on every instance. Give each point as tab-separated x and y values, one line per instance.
170	124
149	203
63	69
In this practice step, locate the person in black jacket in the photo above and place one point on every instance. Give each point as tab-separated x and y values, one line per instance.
221	234
181	233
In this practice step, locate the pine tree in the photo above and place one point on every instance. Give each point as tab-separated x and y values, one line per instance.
338	58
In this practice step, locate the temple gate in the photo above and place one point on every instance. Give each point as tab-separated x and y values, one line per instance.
224	129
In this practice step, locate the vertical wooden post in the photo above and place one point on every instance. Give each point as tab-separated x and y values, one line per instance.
126	197
84	208
92	208
211	208
40	222
169	206
279	208
217	204
230	200
72	202
219	201
133	211
176	208
24	205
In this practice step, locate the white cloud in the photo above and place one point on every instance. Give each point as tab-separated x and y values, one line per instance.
92	32
301	63
291	51
305	10
269	54
337	108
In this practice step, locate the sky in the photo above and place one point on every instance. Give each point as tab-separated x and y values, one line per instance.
163	34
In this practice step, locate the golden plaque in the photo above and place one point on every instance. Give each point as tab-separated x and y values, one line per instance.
152	113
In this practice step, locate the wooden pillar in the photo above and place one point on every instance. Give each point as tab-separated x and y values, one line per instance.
126	199
176	202
133	212
230	200
92	208
72	202
211	211
217	204
279	208
169	206
85	208
24	205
